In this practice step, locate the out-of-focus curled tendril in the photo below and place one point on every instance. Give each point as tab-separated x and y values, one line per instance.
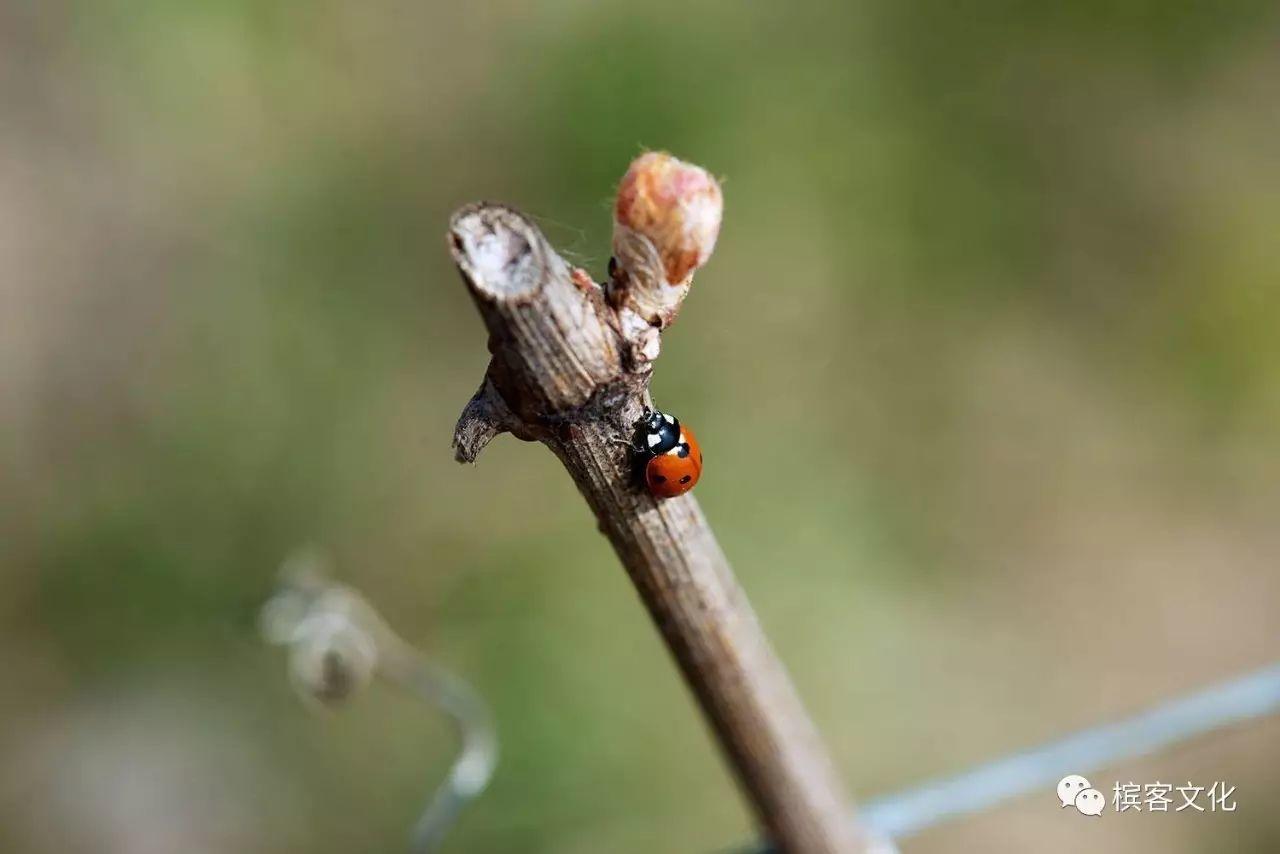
337	643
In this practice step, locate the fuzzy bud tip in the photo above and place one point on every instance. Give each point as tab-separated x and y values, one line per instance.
676	205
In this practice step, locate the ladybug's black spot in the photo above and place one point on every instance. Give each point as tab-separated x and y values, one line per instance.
686	478
684	451
657	478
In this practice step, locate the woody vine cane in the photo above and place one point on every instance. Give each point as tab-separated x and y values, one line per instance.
570	368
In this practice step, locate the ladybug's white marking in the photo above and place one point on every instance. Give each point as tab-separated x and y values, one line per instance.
670	420
653	439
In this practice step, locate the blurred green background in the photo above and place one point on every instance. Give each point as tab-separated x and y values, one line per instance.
987	367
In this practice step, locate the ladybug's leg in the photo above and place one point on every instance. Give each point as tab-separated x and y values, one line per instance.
629	443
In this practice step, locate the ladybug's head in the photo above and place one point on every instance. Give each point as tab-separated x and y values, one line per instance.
657	432
652	419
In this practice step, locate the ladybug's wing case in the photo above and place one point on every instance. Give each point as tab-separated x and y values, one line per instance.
677	471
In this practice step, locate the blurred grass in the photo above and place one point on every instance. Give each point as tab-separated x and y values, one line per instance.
985	366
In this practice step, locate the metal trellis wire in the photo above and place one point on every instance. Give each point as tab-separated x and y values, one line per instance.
1236	701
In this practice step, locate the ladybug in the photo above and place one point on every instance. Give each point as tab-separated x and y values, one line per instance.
669	456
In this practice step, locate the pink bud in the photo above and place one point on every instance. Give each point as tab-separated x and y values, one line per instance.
676	205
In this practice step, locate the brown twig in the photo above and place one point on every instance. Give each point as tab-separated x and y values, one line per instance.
571	367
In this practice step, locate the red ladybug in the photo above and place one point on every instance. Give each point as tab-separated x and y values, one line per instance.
671	458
